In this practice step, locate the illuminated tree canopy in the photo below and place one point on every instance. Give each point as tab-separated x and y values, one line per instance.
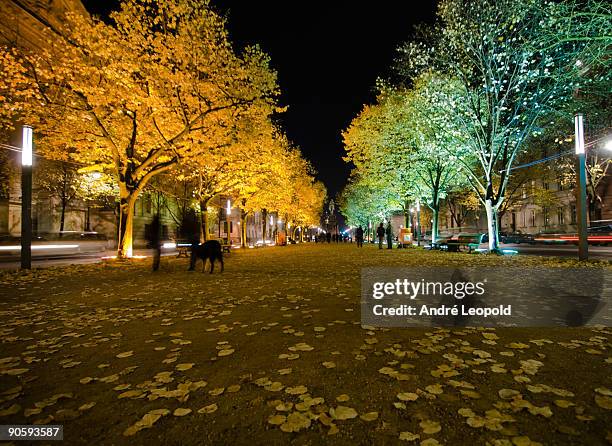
158	89
472	92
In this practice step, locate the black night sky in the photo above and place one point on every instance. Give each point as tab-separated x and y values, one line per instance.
328	54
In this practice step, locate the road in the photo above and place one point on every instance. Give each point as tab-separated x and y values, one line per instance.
80	259
595	252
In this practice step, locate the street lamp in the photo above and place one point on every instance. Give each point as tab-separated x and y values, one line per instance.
228	212
581	199
418	222
581	209
26	198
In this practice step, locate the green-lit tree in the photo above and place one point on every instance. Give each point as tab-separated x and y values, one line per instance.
402	142
511	77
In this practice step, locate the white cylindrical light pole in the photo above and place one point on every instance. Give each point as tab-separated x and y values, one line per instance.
581	204
418	222
26	197
228	212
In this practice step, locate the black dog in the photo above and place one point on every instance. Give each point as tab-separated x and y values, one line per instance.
208	250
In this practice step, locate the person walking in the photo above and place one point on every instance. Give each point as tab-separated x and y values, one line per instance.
380	232
359	236
389	233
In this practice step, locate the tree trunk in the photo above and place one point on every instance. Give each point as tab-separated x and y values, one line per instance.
493	226
126	224
264	214
459	217
435	211
63	214
434	225
87	219
243	229
63	197
204	219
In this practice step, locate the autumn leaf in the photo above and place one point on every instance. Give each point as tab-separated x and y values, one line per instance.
208	409
342	413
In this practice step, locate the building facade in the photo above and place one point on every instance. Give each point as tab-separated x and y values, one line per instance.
530	217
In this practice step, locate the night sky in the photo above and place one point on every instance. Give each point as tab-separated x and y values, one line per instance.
328	54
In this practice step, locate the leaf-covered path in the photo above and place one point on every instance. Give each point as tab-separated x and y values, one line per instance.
272	352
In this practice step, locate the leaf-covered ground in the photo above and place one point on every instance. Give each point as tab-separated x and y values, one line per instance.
272	352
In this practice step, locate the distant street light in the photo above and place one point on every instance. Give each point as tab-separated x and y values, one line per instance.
26	198
418	222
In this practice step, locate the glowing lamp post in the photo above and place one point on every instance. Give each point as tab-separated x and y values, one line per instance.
581	208
26	198
228	212
417	225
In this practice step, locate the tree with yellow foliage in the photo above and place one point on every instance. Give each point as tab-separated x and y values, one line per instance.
303	197
138	96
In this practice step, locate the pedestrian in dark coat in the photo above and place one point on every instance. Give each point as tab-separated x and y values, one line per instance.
359	236
389	233
380	232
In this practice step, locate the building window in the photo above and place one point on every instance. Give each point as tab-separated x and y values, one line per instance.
560	216
573	214
533	218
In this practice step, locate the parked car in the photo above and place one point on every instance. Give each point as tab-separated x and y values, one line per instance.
603	229
517	238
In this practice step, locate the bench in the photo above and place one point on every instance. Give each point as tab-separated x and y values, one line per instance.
441	242
471	241
184	247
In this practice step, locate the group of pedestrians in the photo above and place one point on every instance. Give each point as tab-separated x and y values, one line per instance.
381	233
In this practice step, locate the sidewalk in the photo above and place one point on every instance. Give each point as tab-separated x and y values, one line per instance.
14	263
